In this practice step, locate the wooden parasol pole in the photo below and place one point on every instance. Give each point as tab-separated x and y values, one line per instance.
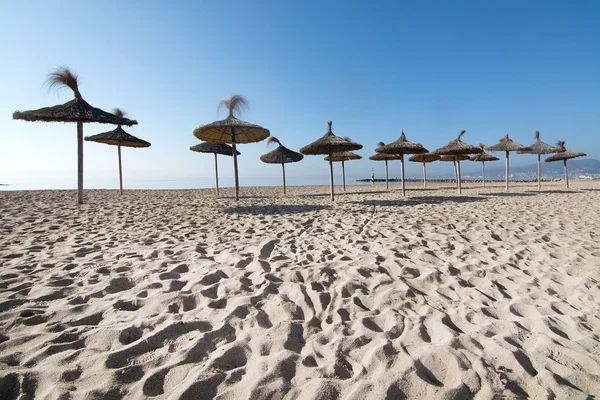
458	176
343	176
120	171
235	165
283	169
566	173
402	171
387	185
79	162
539	172
331	177
216	174
506	172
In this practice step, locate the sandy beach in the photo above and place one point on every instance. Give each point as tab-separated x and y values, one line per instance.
182	295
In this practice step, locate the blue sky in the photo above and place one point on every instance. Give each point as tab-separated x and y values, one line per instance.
431	68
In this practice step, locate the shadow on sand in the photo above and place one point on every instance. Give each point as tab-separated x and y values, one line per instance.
342	193
511	194
553	191
274	209
415	201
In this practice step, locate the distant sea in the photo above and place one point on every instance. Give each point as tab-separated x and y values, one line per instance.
187	183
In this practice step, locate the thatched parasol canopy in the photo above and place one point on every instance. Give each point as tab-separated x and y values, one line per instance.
483	158
424	158
118	137
328	145
402	146
384	157
343	156
281	155
232	130
564	155
215	148
225	130
77	110
459	157
457	147
539	148
506	145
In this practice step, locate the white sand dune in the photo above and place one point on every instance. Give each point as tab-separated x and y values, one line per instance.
180	295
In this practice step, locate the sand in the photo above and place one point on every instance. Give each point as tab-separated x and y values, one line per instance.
180	295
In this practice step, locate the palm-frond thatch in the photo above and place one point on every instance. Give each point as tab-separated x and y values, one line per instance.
506	144
457	147
563	155
232	130
118	137
76	110
402	146
538	147
215	148
483	157
281	154
458	157
327	145
424	157
343	156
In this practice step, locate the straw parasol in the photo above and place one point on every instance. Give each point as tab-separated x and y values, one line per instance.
215	148
342	157
76	110
328	145
483	158
424	158
281	155
232	130
401	147
539	148
457	147
564	155
506	145
454	160
118	137
386	158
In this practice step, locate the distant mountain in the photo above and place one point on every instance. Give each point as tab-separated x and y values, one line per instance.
577	167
